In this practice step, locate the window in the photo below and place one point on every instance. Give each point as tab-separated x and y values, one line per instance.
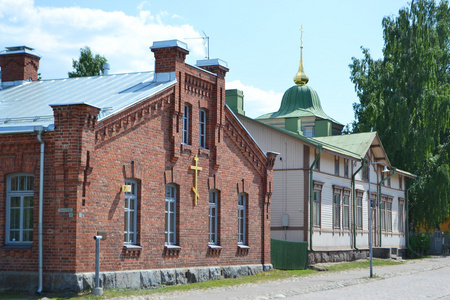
383	215
346	164
171	215
19	207
185	129
400	182
359	211
401	213
316	208
389	182
336	165
336	210
242	219
202	128
130	216
317	199
346	210
389	215
213	208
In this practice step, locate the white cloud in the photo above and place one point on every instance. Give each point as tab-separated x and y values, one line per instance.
256	101
57	34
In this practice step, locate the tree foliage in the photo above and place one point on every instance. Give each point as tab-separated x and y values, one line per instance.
405	97
88	64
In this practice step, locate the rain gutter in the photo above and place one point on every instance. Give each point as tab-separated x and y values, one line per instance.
39	130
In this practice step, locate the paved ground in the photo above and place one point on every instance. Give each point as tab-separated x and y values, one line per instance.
420	279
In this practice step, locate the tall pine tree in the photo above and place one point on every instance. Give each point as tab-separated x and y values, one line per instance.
405	97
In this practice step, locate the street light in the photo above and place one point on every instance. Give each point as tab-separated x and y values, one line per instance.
370	214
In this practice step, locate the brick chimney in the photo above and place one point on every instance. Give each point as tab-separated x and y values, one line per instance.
169	55
18	64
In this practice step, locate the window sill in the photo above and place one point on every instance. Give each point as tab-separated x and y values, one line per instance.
131	247
172	250
243	246
215	246
17	246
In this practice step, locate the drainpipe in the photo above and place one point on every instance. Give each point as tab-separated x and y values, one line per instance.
311	198
407	211
354	205
379	195
39	130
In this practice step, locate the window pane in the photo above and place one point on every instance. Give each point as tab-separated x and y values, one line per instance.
15	202
27	236
30	183
345	200
14	221
14	183
28	218
22	183
125	221
14	236
132	220
28	201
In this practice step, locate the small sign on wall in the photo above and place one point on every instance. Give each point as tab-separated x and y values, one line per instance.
126	188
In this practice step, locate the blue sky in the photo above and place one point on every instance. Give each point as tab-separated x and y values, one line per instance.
260	40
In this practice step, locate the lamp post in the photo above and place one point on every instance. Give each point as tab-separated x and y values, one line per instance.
370	214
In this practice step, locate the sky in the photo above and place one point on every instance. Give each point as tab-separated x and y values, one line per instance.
260	40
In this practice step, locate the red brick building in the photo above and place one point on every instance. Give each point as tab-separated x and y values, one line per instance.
154	162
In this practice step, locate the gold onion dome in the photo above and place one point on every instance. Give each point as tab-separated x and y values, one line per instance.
301	78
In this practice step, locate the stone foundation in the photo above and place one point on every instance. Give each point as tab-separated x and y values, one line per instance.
143	279
336	256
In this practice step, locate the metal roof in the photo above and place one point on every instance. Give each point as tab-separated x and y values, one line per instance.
299	101
28	105
358	143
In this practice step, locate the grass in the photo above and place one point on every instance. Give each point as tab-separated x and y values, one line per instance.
271	275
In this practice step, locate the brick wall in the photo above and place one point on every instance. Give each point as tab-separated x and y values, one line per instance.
87	164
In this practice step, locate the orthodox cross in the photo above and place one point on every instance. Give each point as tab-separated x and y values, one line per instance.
196	168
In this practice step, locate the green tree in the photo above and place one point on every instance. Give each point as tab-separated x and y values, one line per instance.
405	97
88	64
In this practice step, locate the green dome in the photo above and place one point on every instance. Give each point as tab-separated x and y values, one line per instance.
299	101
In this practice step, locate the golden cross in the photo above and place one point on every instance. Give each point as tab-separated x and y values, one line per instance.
196	168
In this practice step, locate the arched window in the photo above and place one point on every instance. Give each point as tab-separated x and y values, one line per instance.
19	208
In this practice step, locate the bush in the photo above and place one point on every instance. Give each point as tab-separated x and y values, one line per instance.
419	244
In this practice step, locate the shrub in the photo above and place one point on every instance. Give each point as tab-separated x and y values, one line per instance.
419	244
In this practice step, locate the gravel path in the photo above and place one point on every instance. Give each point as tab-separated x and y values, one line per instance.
427	278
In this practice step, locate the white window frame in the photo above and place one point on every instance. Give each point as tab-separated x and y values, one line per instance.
185	125
130	214
359	209
242	219
202	128
213	217
170	229
21	193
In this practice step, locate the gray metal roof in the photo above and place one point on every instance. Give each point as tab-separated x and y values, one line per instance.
28	105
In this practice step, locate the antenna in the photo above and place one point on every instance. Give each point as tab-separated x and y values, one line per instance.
205	39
